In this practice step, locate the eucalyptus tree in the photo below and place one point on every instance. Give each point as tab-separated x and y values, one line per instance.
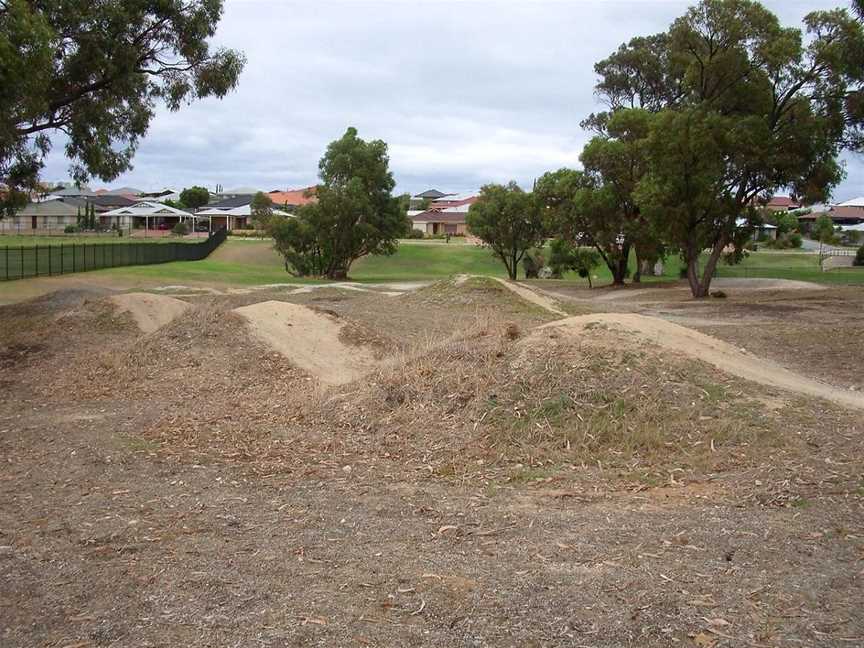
744	107
94	73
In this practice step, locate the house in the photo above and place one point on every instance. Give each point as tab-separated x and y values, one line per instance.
237	217
129	192
162	195
445	215
45	215
231	203
422	199
233	212
101	203
761	232
434	222
237	192
855	202
293	198
843	214
431	194
146	215
781	204
454	200
71	192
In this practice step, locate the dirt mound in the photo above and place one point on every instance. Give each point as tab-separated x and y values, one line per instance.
310	339
703	347
150	311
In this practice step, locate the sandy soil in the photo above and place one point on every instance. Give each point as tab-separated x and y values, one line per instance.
708	349
150	312
309	339
647	293
532	296
195	488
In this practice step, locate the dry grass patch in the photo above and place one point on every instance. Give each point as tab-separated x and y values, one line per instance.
484	399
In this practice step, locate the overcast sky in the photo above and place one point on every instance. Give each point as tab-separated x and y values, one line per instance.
463	93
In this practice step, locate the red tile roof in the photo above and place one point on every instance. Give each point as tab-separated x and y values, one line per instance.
293	197
444	203
781	201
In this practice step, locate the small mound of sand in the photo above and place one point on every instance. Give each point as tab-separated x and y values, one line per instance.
709	349
150	312
308	339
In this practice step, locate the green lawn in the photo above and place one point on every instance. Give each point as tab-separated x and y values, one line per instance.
251	262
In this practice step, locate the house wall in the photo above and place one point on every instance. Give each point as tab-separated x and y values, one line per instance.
43	222
455	229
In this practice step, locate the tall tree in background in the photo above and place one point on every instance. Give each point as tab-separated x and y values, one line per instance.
853	102
194	197
747	107
261	209
586	213
355	213
615	162
95	72
509	221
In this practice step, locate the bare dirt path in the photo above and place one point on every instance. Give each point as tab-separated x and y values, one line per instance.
736	283
532	296
721	354
309	339
150	312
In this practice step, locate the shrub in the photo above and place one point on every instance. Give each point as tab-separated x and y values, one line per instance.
180	229
249	233
71	229
414	234
859	257
796	240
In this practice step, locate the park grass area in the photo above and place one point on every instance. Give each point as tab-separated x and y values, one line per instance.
255	262
21	240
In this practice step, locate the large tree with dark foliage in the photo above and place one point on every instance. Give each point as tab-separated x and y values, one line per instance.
745	107
95	73
355	213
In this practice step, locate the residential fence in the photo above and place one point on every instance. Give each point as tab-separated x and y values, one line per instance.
22	262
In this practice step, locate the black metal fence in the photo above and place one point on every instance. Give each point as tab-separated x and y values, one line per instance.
21	262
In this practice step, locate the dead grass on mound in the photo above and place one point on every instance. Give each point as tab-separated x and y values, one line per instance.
474	292
482	398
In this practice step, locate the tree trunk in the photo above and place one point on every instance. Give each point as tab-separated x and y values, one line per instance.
700	286
693	271
619	267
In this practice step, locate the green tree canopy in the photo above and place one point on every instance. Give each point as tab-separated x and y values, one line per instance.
509	221
602	210
261	209
355	213
95	72
194	197
745	107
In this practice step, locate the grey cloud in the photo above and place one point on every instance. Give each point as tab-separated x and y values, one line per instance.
463	92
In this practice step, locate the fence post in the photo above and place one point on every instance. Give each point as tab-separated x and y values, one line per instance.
22	262
7	263
61	259
49	261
